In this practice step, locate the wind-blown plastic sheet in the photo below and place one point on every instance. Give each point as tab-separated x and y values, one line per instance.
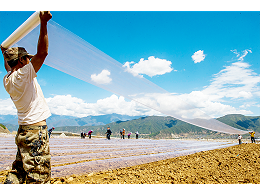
76	57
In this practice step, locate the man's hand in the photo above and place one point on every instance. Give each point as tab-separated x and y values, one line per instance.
45	16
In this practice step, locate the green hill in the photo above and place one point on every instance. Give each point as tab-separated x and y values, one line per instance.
169	127
3	129
235	120
242	122
145	125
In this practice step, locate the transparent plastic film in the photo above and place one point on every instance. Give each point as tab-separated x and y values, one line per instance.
76	57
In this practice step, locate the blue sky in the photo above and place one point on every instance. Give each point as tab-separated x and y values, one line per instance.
212	59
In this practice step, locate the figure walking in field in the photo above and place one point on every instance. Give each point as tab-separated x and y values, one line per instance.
239	139
252	133
32	163
109	132
129	134
123	133
136	134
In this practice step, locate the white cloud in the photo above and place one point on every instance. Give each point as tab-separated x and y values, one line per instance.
171	104
241	56
196	104
234	81
198	56
180	105
151	67
247	105
73	106
257	93
7	107
101	78
244	94
209	104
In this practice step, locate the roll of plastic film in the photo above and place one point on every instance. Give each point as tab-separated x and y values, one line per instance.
23	30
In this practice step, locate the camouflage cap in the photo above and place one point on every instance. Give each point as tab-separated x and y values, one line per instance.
15	53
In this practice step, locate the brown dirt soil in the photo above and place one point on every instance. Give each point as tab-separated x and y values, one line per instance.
232	165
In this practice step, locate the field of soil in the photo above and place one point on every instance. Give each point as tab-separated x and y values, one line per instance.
238	164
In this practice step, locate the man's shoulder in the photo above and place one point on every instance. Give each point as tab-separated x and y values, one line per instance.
27	71
7	79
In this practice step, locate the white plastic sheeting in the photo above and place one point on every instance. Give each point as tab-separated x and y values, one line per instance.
82	156
76	57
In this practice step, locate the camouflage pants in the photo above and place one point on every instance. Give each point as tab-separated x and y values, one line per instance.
32	163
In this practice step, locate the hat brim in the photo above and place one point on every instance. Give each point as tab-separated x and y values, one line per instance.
30	56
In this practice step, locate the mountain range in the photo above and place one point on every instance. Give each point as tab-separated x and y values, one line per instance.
148	126
61	120
168	127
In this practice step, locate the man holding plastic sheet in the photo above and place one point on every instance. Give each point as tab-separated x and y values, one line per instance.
32	164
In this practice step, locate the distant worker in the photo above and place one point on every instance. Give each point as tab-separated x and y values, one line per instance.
123	133
136	134
129	134
252	133
239	139
89	133
109	132
83	135
50	131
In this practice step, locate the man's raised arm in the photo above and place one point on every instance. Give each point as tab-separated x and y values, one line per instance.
43	42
